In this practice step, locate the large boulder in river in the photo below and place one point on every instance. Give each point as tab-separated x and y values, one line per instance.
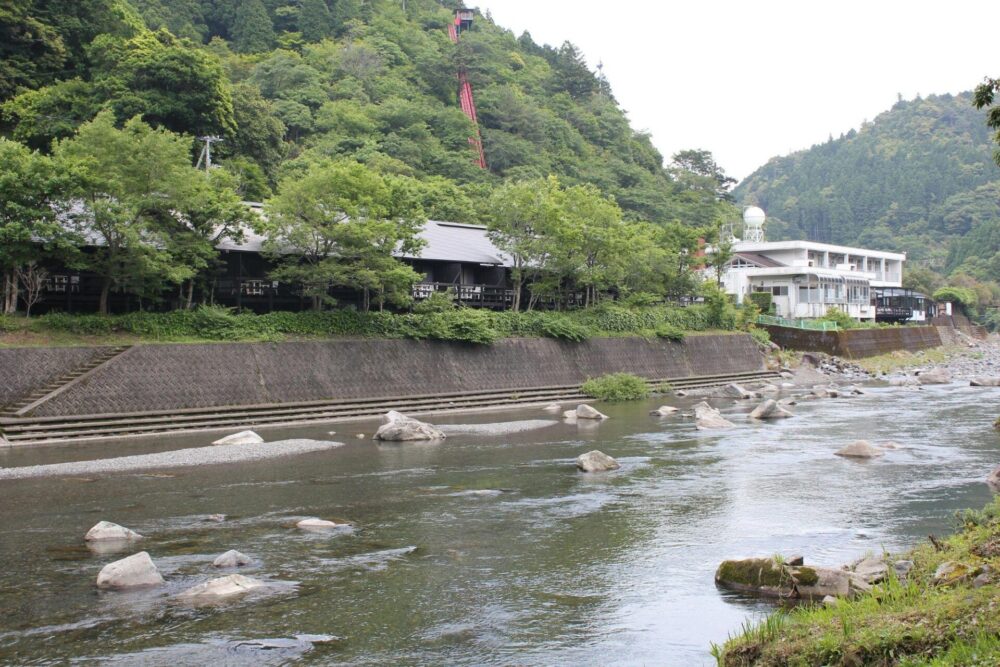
663	411
596	461
220	588
768	577
706	417
584	411
733	390
993	479
770	409
105	531
860	449
241	438
318	525
985	382
570	416
398	427
934	376
232	558
138	570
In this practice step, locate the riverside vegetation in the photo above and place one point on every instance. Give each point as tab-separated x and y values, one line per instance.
944	613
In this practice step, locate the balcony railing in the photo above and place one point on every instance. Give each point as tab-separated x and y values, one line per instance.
484	296
800	323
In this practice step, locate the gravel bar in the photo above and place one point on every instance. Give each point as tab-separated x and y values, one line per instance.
178	458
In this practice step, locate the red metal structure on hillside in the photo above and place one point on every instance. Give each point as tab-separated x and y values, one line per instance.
463	21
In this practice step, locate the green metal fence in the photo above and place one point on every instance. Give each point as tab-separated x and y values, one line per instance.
813	325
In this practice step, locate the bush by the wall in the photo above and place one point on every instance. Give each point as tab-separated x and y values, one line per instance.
764	300
670	332
616	387
564	329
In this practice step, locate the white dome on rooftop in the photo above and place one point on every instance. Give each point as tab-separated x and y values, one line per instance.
754	216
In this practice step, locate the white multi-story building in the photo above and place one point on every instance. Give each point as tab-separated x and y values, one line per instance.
806	279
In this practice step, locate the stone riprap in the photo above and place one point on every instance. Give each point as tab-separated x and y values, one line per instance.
179	458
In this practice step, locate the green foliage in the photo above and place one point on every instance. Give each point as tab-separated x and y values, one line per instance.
670	332
253	30
564	328
761	336
721	311
437	302
763	300
840	318
616	387
960	295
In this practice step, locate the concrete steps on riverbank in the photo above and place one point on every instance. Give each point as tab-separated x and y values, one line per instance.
29	402
19	430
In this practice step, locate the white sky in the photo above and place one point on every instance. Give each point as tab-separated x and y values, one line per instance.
752	79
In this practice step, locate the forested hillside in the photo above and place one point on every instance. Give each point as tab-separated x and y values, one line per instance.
290	82
919	178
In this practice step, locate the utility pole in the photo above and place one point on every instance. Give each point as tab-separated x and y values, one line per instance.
206	152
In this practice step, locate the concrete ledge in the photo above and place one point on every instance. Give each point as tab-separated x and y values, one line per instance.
856	343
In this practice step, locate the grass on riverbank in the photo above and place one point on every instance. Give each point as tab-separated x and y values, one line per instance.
916	622
466	325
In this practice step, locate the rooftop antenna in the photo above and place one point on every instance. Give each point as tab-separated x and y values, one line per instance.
206	152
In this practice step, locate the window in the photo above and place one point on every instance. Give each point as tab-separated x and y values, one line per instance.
779	290
56	283
253	287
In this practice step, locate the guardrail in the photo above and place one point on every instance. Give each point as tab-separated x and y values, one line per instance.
801	323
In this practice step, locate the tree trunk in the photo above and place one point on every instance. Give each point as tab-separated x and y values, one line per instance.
10	292
105	291
517	292
190	294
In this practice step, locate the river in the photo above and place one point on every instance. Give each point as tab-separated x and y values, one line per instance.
482	549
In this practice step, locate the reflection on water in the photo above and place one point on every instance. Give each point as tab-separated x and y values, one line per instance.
484	548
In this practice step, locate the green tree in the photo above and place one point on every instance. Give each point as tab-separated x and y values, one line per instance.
983	98
53	112
315	21
33	192
29	48
341	224
252	30
141	205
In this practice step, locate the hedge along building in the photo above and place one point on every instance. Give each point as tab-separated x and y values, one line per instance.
455	257
805	279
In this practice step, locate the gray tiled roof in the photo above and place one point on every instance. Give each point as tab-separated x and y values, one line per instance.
445	241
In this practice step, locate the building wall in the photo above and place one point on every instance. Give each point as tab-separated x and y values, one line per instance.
165	377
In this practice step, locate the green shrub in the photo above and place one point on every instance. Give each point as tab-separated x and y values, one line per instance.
437	302
642	300
840	318
670	332
616	387
763	300
564	329
760	335
961	295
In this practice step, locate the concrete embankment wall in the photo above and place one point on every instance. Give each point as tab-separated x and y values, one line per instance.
166	377
857	343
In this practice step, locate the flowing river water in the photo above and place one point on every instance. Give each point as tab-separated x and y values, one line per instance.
483	548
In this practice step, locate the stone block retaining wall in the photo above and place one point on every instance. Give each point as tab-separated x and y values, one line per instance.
24	369
857	343
166	377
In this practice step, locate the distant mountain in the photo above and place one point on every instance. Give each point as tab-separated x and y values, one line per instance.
920	178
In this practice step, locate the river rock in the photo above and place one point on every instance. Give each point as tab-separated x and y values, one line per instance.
398	427
133	572
872	570
584	411
318	525
241	438
770	389
770	409
952	572
904	381
553	407
985	382
733	390
570	416
934	376
707	417
993	479
220	587
663	411
596	461
105	531
232	558
860	449
766	576
902	568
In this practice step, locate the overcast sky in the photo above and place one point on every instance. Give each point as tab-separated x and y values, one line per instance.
752	79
